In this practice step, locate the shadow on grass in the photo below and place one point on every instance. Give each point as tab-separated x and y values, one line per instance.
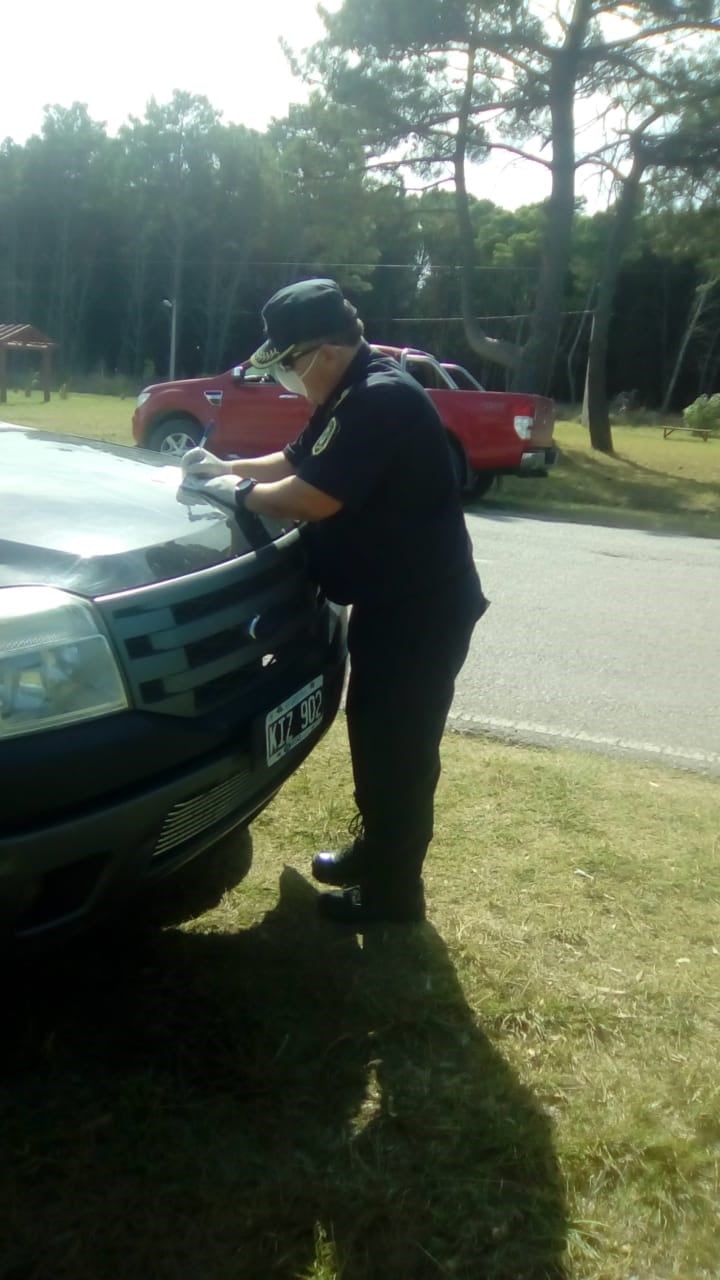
582	478
280	1102
599	491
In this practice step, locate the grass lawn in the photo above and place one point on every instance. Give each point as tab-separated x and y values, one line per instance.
651	483
101	417
526	1087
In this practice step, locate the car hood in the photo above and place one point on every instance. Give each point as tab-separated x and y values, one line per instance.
95	518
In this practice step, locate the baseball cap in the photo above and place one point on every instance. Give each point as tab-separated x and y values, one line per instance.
300	313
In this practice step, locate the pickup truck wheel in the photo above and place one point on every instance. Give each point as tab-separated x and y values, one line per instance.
175	436
459	464
481	483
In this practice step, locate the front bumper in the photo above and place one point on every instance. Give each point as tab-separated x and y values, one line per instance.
61	877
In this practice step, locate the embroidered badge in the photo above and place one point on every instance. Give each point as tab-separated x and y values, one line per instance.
326	438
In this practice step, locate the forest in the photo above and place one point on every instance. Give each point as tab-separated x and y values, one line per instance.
368	181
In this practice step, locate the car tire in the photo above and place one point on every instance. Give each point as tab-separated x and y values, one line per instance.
174	436
482	482
460	466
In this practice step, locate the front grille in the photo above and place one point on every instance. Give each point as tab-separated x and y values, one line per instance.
188	818
188	644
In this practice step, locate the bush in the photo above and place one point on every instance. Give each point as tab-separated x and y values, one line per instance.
703	414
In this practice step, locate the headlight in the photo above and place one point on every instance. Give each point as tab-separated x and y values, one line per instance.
144	395
56	666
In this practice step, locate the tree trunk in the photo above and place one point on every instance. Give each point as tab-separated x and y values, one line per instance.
575	343
708	372
596	414
702	294
211	315
228	309
533	372
132	348
496	350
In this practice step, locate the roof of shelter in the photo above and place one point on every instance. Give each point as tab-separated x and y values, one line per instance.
24	335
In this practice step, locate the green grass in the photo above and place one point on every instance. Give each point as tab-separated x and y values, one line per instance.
671	485
525	1087
97	417
650	482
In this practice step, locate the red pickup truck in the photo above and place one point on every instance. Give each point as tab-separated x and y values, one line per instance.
491	433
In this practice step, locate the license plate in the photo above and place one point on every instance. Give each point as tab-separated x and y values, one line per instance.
293	721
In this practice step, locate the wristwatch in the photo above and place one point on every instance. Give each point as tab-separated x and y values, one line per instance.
242	489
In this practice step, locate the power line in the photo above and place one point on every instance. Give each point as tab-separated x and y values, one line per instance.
299	266
391	266
516	315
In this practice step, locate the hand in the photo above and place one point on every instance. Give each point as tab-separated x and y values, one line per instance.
204	465
219	488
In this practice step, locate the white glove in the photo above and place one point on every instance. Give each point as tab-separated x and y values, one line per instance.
220	488
203	464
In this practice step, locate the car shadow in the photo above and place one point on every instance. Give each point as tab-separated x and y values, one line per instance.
197	887
285	1101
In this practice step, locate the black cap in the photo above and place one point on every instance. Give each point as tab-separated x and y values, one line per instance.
304	312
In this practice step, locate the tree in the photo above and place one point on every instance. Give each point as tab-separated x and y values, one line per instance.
431	88
691	146
63	207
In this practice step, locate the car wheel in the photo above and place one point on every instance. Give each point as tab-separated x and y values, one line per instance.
482	482
175	436
459	464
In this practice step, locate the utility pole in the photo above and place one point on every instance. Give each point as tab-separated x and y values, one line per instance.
172	306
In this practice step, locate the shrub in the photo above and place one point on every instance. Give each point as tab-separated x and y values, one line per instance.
703	414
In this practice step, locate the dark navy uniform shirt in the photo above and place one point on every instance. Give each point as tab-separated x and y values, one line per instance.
379	447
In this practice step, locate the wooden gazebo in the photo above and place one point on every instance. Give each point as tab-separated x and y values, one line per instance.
23	337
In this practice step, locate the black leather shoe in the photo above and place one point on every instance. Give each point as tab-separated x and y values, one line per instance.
356	907
340	868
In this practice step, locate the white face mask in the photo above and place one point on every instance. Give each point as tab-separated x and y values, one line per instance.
292	381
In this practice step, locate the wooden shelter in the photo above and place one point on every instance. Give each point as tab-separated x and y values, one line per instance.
23	337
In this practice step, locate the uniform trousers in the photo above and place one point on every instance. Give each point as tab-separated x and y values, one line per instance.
404	661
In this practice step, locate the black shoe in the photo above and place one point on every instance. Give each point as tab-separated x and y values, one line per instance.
356	907
340	868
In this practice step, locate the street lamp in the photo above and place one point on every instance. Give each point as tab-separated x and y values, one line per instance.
172	306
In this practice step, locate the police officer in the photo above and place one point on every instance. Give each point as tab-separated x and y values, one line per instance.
372	480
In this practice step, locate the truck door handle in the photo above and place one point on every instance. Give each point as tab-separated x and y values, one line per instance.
289	396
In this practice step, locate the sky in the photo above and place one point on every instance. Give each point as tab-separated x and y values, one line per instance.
115	59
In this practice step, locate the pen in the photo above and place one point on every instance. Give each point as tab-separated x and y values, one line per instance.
207	432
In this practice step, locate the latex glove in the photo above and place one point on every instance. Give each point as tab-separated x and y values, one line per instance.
203	464
220	488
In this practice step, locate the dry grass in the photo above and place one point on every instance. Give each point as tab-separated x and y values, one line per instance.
524	1088
650	482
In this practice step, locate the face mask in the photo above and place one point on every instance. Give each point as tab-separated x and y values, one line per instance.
292	381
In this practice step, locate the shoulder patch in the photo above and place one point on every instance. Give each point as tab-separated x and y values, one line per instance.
326	438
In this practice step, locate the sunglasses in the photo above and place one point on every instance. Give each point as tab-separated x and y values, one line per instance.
290	361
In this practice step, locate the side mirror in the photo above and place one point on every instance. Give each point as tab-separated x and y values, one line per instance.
238	373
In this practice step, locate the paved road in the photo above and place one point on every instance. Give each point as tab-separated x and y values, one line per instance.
607	639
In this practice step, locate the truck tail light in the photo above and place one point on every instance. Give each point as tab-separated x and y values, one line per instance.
523	424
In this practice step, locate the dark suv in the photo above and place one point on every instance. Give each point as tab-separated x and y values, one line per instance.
164	667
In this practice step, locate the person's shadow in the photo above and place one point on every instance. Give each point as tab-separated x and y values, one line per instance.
279	1102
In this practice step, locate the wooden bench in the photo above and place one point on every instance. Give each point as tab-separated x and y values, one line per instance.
705	432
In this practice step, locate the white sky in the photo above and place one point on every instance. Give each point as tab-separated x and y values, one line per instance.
116	58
